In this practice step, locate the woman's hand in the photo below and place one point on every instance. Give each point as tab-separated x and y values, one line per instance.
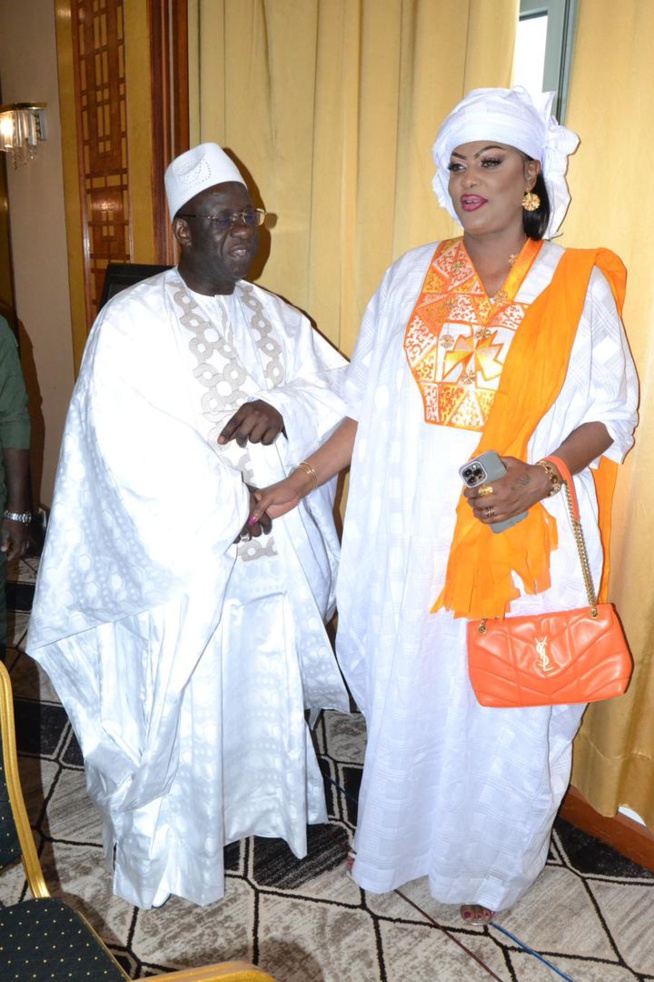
252	530
521	487
335	454
280	498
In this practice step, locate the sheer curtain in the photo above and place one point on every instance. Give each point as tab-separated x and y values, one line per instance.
611	95
332	106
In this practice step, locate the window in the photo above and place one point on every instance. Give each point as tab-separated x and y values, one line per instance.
543	53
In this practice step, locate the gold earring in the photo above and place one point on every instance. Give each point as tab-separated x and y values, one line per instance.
530	201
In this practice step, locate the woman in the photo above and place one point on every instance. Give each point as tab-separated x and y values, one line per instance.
501	341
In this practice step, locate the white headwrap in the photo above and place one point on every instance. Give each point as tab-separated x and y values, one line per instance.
196	170
520	120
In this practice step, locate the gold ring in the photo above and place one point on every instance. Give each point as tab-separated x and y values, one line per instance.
484	490
489	512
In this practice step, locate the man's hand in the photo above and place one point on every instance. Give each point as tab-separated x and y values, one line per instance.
14	538
257	421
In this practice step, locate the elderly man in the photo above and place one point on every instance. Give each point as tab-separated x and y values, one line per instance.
184	645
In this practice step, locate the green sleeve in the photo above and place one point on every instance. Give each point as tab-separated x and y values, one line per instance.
14	415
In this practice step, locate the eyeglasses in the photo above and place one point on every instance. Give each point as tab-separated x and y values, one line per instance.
252	217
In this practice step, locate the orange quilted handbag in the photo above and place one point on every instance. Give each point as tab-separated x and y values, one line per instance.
544	659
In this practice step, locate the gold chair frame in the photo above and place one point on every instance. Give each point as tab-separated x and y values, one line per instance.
221	972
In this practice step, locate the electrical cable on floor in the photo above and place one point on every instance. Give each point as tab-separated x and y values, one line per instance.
531	951
440	927
411	903
444	930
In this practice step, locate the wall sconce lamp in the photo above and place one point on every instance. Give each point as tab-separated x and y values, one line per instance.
22	128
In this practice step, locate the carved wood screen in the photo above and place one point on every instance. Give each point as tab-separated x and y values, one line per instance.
99	54
124	93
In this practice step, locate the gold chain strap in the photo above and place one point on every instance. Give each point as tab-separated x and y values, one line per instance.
583	555
578	533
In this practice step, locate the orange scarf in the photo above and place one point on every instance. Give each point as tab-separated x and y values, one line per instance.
479	580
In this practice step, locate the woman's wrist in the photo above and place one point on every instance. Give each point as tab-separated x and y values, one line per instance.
305	478
553	477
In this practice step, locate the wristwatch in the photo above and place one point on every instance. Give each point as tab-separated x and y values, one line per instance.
24	517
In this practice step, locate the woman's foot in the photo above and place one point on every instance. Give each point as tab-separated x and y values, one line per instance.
476	914
349	862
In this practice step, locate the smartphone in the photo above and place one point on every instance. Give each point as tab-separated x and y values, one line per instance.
483	469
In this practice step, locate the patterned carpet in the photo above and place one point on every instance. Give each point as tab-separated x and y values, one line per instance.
589	915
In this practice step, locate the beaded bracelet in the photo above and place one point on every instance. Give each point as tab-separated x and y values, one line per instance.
308	469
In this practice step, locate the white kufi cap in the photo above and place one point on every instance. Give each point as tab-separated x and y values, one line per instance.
520	120
196	170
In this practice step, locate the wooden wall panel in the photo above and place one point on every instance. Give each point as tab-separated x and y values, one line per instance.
169	37
101	100
7	308
124	96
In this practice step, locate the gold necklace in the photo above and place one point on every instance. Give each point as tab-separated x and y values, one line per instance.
514	255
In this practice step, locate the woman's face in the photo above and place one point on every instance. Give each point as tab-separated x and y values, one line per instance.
487	183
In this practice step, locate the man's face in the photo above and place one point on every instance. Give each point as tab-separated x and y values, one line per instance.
213	257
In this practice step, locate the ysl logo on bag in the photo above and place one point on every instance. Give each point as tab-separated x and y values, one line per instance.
544	665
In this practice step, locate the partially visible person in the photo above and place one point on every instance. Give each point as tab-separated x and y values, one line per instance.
15	494
499	340
184	648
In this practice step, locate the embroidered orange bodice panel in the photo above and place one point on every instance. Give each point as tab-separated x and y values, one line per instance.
457	337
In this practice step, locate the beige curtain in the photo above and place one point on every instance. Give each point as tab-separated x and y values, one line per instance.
610	107
332	106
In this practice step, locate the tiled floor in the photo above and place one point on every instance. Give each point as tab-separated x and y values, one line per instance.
589	915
